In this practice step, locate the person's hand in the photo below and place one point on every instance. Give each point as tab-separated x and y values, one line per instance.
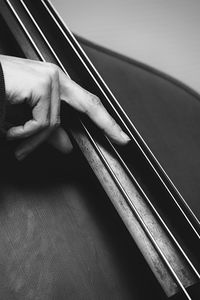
42	86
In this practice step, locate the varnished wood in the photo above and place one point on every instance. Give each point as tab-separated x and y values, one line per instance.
63	242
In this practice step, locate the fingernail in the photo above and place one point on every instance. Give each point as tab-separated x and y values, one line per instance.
125	137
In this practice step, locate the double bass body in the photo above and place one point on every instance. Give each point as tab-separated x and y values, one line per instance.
61	236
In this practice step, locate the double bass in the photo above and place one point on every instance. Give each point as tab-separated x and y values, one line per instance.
106	221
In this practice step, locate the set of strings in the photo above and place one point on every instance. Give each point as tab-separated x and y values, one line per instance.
71	40
108	95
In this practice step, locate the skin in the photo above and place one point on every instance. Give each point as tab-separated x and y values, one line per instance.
43	86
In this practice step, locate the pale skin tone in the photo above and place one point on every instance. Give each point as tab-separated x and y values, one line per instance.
43	86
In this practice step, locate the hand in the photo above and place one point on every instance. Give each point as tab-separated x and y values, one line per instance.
42	86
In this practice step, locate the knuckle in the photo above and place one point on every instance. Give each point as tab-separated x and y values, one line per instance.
92	104
52	70
95	100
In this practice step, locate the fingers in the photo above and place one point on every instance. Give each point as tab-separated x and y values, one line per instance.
55	97
29	128
45	84
46	108
40	121
99	115
58	139
31	144
91	105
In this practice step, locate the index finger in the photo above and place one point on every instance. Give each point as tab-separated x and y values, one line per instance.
87	103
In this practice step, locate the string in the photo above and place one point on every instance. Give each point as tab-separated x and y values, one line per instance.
110	170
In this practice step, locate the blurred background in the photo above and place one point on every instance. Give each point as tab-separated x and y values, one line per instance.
163	34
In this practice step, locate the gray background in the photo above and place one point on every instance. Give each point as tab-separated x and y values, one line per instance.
162	33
